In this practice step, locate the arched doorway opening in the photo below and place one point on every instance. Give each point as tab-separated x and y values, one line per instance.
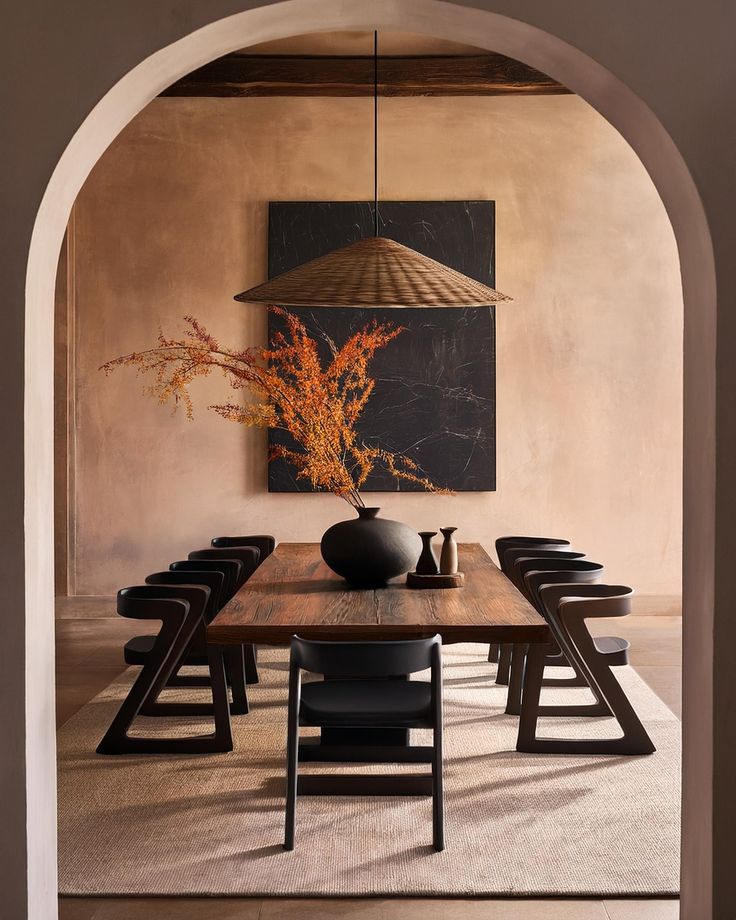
621	107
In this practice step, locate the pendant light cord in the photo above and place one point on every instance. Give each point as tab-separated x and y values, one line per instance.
375	133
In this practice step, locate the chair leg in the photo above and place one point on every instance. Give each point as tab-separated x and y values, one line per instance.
292	766
504	663
235	669
438	798
251	665
493	652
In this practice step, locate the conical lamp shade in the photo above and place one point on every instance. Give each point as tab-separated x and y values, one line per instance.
375	272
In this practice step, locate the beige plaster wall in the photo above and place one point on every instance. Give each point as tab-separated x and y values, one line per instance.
173	221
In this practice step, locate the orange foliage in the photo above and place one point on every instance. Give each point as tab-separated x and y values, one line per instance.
290	390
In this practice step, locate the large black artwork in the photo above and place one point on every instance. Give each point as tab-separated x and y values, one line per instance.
435	395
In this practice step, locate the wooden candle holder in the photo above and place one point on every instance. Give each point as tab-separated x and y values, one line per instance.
435	581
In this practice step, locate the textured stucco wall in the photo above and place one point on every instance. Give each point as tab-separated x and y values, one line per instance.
173	221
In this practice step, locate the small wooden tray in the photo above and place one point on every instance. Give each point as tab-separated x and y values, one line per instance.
435	581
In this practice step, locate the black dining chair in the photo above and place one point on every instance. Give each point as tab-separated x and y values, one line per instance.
264	543
249	558
196	653
181	610
359	695
222	577
502	544
231	570
510	556
568	607
581	571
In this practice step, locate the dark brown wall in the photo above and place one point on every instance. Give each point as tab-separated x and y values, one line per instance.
59	59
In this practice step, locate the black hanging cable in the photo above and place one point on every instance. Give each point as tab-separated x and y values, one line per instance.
375	133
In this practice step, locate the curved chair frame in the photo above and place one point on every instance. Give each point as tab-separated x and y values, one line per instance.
504	543
196	652
180	608
573	605
571	571
517	562
249	559
264	543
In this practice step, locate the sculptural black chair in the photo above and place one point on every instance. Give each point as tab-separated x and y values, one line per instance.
502	544
568	607
249	558
222	577
180	608
264	543
196	653
510	555
579	571
231	570
360	695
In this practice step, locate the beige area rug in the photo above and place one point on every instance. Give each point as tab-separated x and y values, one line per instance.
517	824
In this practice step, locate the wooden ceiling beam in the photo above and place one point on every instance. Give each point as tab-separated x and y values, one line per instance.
238	75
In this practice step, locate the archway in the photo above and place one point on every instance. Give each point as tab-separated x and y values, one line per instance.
611	97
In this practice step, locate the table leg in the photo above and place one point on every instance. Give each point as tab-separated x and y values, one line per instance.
516	678
532	688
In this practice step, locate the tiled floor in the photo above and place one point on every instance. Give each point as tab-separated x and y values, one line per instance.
89	657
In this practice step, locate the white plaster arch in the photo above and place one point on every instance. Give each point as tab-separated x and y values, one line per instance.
603	90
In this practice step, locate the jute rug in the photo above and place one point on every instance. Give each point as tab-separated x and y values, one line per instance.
517	824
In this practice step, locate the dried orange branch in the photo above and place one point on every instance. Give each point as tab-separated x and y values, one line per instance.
291	391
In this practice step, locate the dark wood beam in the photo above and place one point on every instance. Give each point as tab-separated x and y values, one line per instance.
305	75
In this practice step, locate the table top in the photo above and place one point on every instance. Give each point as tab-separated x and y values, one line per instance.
294	592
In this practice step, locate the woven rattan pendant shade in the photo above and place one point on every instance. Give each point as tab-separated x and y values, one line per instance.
375	272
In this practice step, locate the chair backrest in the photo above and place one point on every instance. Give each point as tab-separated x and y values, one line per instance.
552	595
615	601
158	602
366	659
265	543
527	564
214	580
231	569
513	553
504	543
536	578
248	556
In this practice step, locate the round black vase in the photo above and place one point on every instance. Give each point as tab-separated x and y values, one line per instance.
367	552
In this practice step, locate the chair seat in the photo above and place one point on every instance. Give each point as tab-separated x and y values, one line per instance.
614	648
138	649
366	702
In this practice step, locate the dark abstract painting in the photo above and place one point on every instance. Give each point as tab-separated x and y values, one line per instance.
435	397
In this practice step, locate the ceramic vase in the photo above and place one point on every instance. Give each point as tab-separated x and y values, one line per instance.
369	551
427	562
448	556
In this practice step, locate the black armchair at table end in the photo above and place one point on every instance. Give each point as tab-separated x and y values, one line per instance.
360	695
502	544
568	606
181	610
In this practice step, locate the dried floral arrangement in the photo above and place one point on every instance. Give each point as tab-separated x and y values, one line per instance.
289	389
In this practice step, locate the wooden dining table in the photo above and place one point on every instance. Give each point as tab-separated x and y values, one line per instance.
293	592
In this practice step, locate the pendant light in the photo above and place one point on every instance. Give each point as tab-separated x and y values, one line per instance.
374	272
